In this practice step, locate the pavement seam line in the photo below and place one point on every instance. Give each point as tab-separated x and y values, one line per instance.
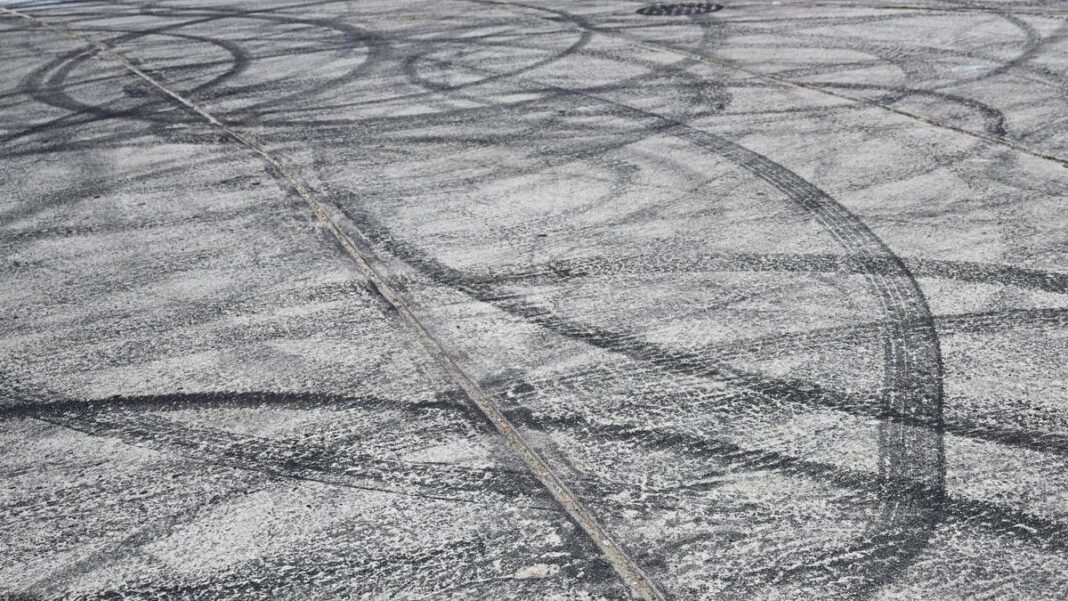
628	569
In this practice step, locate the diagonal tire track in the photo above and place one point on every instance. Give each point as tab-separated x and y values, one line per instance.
628	569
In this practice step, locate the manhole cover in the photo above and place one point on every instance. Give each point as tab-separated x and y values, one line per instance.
678	10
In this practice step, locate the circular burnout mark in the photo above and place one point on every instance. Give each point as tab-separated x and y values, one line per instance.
678	10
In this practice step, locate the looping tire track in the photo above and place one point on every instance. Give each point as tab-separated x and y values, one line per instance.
911	380
912	358
45	85
893	291
631	573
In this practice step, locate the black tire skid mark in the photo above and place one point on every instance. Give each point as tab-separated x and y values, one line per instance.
102	142
154	436
568	155
1032	45
161	339
1004	438
269	14
805	393
656	70
887	54
114	551
40	87
654	263
994	119
788	390
538	131
899	292
47	85
553	100
844	337
92	184
1032	41
698	89
433	88
963	511
21	401
1039	531
221	399
843	226
149	110
409	64
570	149
901	299
130	419
623	174
59	123
676	68
306	461
105	229
372	126
261	578
376	46
31	403
899	378
285	123
122	417
763	392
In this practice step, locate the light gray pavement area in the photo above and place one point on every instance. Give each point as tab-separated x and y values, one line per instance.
493	299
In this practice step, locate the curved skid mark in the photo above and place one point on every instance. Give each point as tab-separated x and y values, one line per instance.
991	139
620	560
905	314
148	111
913	372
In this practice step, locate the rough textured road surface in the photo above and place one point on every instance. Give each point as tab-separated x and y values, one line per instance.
534	299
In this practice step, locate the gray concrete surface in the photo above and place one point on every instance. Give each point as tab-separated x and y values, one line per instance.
765	300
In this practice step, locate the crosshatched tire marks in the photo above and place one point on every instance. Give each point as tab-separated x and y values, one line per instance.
46	85
914	366
912	459
912	376
577	512
912	481
909	394
144	422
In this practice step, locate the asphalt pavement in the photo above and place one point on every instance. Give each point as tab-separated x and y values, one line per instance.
561	299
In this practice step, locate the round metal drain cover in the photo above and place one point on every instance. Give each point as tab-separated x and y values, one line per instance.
678	10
